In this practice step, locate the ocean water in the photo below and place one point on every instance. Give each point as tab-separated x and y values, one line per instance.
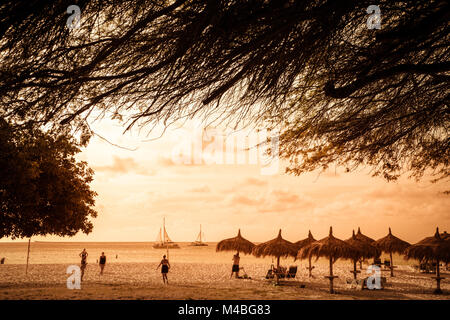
68	252
137	252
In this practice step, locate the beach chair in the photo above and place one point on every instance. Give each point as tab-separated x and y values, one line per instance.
292	272
281	272
377	262
270	274
423	268
426	267
352	283
433	267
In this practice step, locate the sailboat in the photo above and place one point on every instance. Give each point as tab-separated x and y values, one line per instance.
198	242
163	241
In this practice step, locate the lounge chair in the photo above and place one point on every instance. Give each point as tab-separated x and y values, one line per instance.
423	267
271	273
281	272
292	272
377	262
426	267
353	283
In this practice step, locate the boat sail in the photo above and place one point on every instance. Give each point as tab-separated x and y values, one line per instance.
198	242
163	241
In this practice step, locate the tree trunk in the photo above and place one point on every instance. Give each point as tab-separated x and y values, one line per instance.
354	269
310	268
438	279
331	275
392	264
28	255
277	270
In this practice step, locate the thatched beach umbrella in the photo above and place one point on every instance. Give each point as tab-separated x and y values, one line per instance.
366	250
277	248
237	243
391	244
444	235
363	237
331	248
431	248
303	243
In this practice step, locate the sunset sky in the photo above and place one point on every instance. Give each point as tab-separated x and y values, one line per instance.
137	188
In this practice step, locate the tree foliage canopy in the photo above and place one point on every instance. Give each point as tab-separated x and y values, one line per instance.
341	92
43	188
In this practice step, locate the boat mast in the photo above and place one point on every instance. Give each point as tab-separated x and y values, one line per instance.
167	245
164	227
200	233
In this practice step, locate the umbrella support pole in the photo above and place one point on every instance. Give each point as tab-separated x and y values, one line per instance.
392	264
277	270
438	279
355	272
331	285
310	268
331	277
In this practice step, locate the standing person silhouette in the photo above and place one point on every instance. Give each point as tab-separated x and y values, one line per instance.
102	262
83	256
165	266
235	268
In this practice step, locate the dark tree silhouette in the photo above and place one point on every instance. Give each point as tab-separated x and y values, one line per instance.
342	93
43	189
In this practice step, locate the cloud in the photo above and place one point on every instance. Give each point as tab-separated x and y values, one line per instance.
255	182
124	166
244	200
285	196
165	161
201	189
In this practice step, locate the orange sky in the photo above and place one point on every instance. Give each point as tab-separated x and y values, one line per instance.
137	188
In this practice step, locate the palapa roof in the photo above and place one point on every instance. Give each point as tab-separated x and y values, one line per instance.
237	243
444	235
277	247
430	248
363	237
329	247
366	248
300	244
391	243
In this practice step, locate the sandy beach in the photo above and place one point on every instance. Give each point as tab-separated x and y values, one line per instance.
204	281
